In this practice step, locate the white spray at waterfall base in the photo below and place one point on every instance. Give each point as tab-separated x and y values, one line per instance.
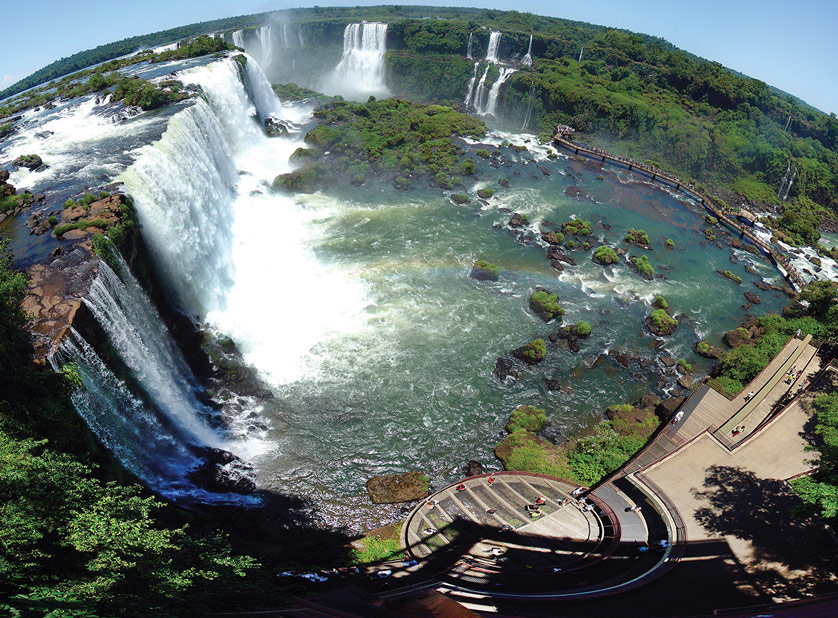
360	72
236	253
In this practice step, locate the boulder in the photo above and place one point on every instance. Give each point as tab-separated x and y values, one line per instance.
503	182
506	368
737	337
223	472
685	381
531	353
484	271
552	385
709	351
550	238
473	468
752	298
668	361
517	220
394	488
667	407
649	401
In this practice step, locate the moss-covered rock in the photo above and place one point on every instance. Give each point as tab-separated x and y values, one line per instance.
730	276
660	323
576	227
394	488
485	194
484	271
527	418
583	329
709	351
605	255
532	353
641	266
660	302
638	238
545	304
460	198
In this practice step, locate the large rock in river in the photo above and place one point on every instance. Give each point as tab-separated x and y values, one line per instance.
223	472
392	488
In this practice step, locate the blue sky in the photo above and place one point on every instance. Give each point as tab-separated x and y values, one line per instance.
790	45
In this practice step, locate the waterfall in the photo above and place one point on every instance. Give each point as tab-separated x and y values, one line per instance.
137	333
238	38
492	99
360	72
266	44
470	87
300	37
183	187
146	446
527	60
152	434
480	92
492	51
528	114
468	50
285	36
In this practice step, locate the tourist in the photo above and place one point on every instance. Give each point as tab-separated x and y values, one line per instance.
566	501
663	543
531	507
461	487
431	503
677	418
491	511
491	480
577	491
535	514
643	548
749	396
589	507
539	500
636	508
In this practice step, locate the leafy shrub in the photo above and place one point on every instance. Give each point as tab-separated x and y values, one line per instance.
488	266
548	302
643	267
583	329
636	237
576	227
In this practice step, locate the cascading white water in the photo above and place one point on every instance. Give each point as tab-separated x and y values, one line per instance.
360	72
238	38
470	87
468	49
492	50
530	103
480	92
136	331
527	59
266	44
492	99
209	234
145	445
300	37
179	185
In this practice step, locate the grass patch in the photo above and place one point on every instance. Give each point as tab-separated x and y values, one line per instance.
79	225
606	255
526	418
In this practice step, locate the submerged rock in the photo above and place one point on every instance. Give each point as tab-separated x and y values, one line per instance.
394	488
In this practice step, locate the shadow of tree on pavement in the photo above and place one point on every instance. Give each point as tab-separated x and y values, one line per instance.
760	511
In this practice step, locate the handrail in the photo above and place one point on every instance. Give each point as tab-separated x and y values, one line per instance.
777	258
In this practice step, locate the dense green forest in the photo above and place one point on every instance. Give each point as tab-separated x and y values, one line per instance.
642	98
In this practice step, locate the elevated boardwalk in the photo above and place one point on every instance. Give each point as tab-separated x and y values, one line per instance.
778	259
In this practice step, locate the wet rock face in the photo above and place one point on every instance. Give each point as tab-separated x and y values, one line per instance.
54	295
473	468
223	472
394	488
506	368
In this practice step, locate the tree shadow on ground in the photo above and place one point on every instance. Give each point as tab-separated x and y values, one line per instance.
761	511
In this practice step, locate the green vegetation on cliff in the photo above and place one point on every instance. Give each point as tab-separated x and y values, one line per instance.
391	138
77	539
820	489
